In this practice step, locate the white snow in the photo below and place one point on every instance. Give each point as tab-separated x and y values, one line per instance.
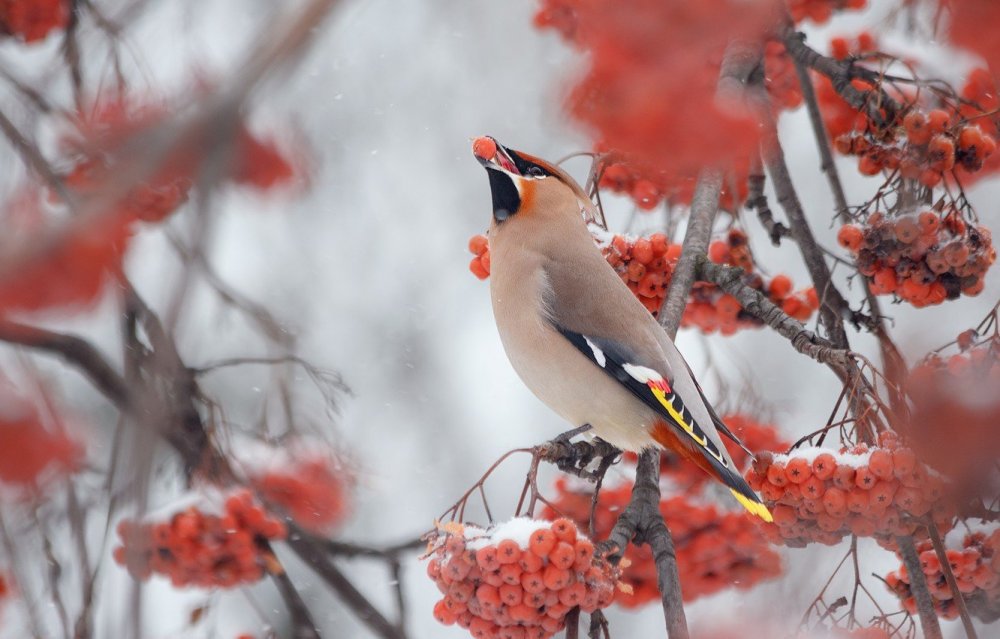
519	529
812	452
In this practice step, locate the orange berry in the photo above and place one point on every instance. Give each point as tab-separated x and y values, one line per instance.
839	48
858	501
917	130
780	287
484	147
813	488
572	595
511	595
835	502
532	582
824	466
584	552
843	477
906	229
508	552
443	614
478	244
850	237
728	305
904	462
486	558
488	594
776	474
530	562
792	306
477	269
642	251
941	153
784	515
880	464
563	555
542	542
798	470
556	578
646	194
718	252
510	574
864	478
937	121
884	281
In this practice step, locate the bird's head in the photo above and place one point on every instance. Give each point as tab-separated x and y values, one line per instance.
523	184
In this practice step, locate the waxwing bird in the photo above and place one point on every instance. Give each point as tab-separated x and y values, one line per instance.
575	334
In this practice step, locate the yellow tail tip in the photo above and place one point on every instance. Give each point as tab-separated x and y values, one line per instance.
755	507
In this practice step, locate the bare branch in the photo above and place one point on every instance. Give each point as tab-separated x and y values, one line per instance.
75	350
704	206
918	584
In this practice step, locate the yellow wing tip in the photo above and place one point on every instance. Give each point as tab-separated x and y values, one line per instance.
755	507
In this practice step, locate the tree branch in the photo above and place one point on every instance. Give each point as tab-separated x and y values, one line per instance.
918	585
758	201
730	280
949	576
832	303
704	206
314	555
840	74
75	350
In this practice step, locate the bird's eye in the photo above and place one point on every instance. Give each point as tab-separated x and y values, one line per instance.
536	171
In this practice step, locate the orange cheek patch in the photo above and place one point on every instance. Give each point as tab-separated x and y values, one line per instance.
527	195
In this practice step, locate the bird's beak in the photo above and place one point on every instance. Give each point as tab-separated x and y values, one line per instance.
492	155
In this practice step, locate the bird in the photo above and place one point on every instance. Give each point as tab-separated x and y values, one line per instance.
575	334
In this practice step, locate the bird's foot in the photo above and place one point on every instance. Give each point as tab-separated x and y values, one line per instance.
576	458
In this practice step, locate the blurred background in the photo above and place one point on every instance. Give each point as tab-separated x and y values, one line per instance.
365	262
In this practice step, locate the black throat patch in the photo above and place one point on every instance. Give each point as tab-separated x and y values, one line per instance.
506	199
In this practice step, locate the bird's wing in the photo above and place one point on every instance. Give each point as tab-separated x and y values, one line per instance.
588	304
679	430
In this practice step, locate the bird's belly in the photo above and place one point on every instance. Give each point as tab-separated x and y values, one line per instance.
577	389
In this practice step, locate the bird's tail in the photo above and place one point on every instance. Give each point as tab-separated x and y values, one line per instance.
668	437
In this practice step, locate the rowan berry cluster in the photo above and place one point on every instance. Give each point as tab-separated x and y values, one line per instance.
517	580
312	492
923	258
780	77
734	250
715	550
33	20
818	495
929	146
646	264
625	179
648	187
151	201
106	135
197	548
842	47
756	435
820	11
479	246
32	452
976	566
959	388
980	101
